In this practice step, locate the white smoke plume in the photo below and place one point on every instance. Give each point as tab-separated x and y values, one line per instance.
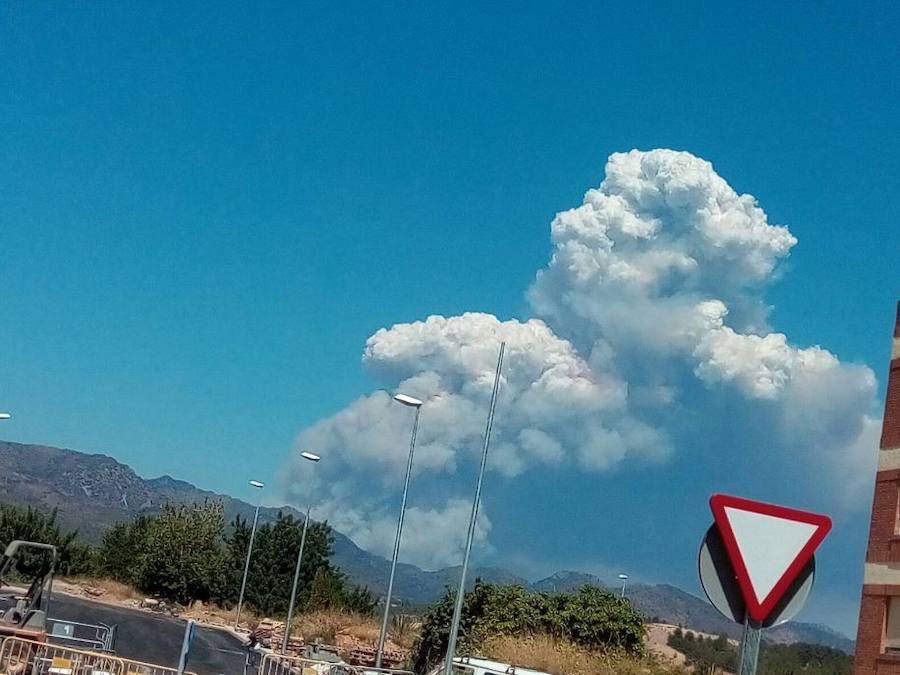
654	289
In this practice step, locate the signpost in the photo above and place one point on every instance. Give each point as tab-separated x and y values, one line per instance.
189	631
756	565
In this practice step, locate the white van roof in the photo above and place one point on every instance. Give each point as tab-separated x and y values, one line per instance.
487	665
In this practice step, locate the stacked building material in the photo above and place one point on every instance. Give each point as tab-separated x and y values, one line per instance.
270	634
358	652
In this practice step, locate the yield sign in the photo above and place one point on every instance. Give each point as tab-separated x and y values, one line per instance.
768	546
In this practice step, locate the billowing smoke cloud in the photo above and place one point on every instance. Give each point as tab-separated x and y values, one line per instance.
654	288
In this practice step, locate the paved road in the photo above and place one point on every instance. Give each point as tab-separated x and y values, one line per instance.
144	636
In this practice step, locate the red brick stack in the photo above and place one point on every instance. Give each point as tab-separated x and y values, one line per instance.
270	635
356	652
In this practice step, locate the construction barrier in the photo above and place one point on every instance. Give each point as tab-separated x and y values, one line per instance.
278	664
366	670
26	657
141	668
85	636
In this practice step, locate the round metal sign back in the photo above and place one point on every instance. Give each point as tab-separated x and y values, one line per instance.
721	586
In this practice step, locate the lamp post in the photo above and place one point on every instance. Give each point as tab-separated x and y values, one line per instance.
624	579
314	458
417	404
457	610
259	486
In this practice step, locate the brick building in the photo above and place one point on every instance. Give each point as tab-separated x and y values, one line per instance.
878	636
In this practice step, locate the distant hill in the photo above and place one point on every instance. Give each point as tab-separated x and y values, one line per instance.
673	605
91	492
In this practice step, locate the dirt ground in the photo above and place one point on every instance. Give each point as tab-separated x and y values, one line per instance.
657	637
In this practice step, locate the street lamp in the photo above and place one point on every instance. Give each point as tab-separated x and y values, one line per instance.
411	402
314	458
457	609
623	578
259	486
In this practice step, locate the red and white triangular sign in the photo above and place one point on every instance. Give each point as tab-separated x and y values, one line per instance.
768	546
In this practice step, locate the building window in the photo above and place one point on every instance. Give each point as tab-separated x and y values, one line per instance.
892	630
897	514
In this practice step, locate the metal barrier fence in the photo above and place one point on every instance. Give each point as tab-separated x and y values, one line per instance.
140	668
366	670
91	637
25	657
277	664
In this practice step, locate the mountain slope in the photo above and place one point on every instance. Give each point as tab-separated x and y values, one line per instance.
91	492
669	604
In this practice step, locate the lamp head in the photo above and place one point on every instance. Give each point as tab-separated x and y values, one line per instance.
408	400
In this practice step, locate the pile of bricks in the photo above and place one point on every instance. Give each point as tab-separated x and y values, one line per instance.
270	635
356	652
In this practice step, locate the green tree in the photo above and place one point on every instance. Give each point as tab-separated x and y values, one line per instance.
704	653
28	524
598	618
122	550
802	658
592	617
431	646
358	599
274	559
325	592
182	556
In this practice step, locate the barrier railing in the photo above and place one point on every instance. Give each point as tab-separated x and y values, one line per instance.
372	670
85	636
141	668
25	657
278	664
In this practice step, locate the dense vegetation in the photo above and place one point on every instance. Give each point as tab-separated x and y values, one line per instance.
184	553
705	654
592	618
807	659
717	654
29	524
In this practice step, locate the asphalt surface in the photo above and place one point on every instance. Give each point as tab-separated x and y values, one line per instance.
155	638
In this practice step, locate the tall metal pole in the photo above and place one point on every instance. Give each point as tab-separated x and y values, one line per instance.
457	610
749	648
624	581
390	589
237	618
290	616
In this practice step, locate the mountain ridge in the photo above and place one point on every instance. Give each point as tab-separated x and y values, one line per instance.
93	491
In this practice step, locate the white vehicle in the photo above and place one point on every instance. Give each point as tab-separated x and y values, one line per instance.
474	665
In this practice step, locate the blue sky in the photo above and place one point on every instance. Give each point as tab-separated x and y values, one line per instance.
206	211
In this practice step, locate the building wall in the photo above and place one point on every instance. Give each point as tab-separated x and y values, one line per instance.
878	636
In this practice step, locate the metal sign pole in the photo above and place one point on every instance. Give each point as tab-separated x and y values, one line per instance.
461	593
290	616
189	631
749	648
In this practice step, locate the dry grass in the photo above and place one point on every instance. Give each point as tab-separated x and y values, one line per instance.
404	630
322	625
220	616
561	657
325	625
112	590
